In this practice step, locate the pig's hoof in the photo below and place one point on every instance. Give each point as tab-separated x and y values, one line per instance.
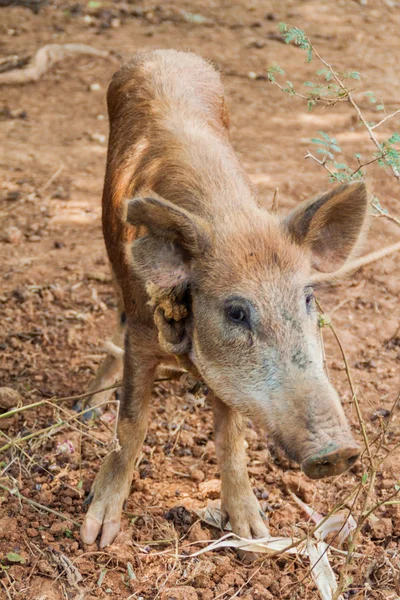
247	521
105	501
91	528
104	517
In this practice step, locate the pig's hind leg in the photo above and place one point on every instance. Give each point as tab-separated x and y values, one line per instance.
112	484
238	501
110	370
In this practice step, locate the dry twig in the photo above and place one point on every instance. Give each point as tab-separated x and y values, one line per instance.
44	59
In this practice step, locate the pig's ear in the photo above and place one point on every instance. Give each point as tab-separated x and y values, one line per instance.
166	221
330	225
161	259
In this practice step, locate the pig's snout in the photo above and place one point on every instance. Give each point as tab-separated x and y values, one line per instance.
330	461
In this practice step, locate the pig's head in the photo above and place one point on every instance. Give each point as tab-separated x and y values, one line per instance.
251	323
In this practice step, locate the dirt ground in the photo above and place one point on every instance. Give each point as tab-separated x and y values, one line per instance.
57	305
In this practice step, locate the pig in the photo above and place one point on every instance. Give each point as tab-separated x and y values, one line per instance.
209	278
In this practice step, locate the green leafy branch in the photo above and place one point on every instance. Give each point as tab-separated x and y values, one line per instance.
330	87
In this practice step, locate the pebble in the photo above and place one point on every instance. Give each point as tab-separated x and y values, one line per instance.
12	235
380	528
94	87
97	137
198	534
198	475
210	489
9	398
31	532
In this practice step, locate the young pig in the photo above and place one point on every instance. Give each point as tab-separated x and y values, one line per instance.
207	275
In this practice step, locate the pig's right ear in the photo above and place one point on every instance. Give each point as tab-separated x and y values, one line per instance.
162	259
330	225
175	237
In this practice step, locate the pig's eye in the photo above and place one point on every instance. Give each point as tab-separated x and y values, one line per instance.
238	315
309	299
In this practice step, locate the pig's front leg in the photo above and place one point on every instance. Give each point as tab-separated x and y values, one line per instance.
112	484
238	501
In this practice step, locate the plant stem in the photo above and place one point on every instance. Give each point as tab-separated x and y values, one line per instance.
37	505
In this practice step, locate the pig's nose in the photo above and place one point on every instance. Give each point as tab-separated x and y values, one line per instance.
327	462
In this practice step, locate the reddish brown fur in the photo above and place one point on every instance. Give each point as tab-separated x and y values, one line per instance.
191	245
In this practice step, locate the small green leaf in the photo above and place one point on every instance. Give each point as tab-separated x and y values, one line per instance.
131	572
371	97
101	577
326	136
324	320
364	478
335	148
318	141
394	139
15	558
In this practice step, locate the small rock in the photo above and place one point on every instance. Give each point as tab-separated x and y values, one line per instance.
297	483
8	527
59	527
387	484
31	532
97	137
44	567
13	195
94	87
210	489
18	113
185	592
380	528
180	516
60	193
9	399
198	534
198	475
380	413
98	276
12	235
115	23
257	44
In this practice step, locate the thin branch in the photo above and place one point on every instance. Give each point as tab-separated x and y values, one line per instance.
354	104
322	163
396	112
54	400
35	504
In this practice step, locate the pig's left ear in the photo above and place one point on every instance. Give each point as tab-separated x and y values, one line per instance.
330	225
